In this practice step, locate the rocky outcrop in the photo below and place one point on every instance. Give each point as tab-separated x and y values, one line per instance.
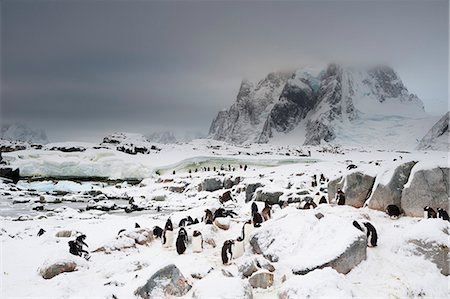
436	253
272	197
211	184
437	138
426	187
250	190
168	281
388	189
356	186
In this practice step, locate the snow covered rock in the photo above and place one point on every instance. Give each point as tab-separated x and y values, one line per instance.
261	279
128	239
272	197
251	264
222	223
320	283
426	187
211	184
356	186
389	186
102	205
49	271
65	234
215	285
168	281
250	190
437	138
164	137
304	243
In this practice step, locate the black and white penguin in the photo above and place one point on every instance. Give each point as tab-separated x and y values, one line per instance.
182	222
41	232
266	212
428	212
256	216
247	229
167	236
136	225
227	251
323	200
157	231
76	246
121	231
393	211
209	217
197	241
340	197
254	208
238	248
369	230
443	214
182	240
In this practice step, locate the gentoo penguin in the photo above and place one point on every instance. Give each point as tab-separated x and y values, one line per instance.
209	218
121	231
76	246
323	200
443	214
157	231
428	212
182	240
247	229
136	225
266	212
238	248
40	232
370	232
254	208
182	222
393	211
227	251
340	197
167	236
257	218
197	241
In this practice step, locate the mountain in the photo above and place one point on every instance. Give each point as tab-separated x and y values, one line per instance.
438	137
21	132
164	137
339	104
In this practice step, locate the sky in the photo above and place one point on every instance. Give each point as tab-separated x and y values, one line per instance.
81	69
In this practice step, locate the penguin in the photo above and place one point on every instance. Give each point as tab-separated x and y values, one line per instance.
283	204
157	231
76	247
182	222
266	212
257	219
323	200
254	208
227	251
121	231
369	230
136	225
247	229
41	232
340	197
238	248
428	212
393	211
167	236
181	242
443	214
190	221
209	218
197	241
322	178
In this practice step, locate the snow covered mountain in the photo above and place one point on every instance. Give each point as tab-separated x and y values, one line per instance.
164	137
21	132
345	105
438	136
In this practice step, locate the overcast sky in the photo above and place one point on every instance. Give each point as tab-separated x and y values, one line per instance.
79	69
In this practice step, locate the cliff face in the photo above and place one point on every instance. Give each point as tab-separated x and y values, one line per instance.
438	137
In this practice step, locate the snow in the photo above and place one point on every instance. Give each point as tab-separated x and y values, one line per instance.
215	285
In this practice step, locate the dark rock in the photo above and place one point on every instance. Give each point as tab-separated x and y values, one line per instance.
250	190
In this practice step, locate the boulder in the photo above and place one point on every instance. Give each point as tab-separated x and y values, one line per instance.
216	285
225	197
128	239
11	174
294	237
321	283
389	186
250	190
435	253
177	188
168	281
262	279
356	186
222	223
50	271
272	197
248	266
211	184
65	234
426	187
229	182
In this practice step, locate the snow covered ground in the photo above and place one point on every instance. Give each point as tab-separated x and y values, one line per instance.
391	270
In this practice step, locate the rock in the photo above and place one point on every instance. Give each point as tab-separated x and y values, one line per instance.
436	253
321	283
102	205
268	196
11	174
167	281
159	197
391	193
177	188
217	286
222	222
356	186
48	272
228	182
211	184
65	234
128	239
250	190
250	265
426	187
225	197
261	280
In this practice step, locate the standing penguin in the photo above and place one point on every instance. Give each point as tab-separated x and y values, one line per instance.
197	241
257	218
182	240
428	212
209	217
238	247
247	229
393	211
227	251
157	231
323	200
340	197
369	230
443	214
167	236
266	212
